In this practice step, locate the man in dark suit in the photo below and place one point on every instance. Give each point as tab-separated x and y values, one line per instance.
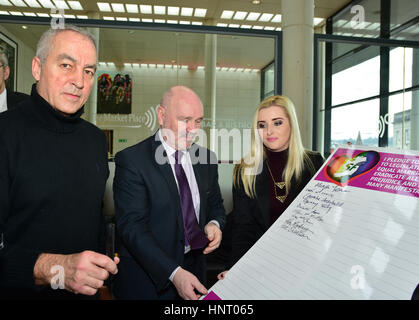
8	100
168	205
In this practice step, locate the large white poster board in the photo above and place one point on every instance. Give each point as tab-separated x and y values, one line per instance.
352	233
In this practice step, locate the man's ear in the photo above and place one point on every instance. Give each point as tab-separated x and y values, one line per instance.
6	72
160	114
36	68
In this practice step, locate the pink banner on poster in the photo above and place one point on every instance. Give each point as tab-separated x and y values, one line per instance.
211	296
369	169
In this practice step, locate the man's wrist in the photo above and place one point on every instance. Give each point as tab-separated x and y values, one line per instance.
172	276
42	268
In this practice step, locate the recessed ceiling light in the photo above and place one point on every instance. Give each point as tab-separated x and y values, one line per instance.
118	7
47	4
265	17
184	22
187	12
82	17
159	9
173	11
29	14
121	19
257	27
240	15
253	16
197	23
277	18
227	14
221	24
24	27
146	9
61	4
159	21
200	13
245	26
109	18
256	1
232	25
172	21
269	28
134	19
18	3
104	7
33	3
75	5
132	8
146	20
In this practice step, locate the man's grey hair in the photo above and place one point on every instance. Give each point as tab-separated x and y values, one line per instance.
46	42
3	59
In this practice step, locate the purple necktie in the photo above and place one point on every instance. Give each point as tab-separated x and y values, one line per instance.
193	233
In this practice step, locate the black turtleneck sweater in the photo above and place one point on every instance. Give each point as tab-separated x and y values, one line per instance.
277	162
53	171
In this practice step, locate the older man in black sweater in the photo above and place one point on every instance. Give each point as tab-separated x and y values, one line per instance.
53	171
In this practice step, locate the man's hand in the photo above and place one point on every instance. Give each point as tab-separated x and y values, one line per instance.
214	235
84	272
185	283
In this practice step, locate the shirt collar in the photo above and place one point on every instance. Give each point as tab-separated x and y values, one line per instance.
169	149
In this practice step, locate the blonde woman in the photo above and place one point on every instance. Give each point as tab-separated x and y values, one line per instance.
285	167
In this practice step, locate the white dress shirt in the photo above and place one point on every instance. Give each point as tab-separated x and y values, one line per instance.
3	100
190	175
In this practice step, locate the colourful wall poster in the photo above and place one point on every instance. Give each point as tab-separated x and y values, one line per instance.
351	233
370	169
114	93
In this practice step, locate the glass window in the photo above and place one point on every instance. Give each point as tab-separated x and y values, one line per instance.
356	124
268	81
135	68
401	67
399	120
356	76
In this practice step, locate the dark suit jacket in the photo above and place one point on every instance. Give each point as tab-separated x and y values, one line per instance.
251	217
149	217
14	98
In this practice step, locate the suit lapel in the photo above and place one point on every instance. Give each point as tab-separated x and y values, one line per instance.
166	171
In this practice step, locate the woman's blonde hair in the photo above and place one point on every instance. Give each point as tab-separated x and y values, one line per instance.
248	168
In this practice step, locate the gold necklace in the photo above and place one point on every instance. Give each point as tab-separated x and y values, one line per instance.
280	185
